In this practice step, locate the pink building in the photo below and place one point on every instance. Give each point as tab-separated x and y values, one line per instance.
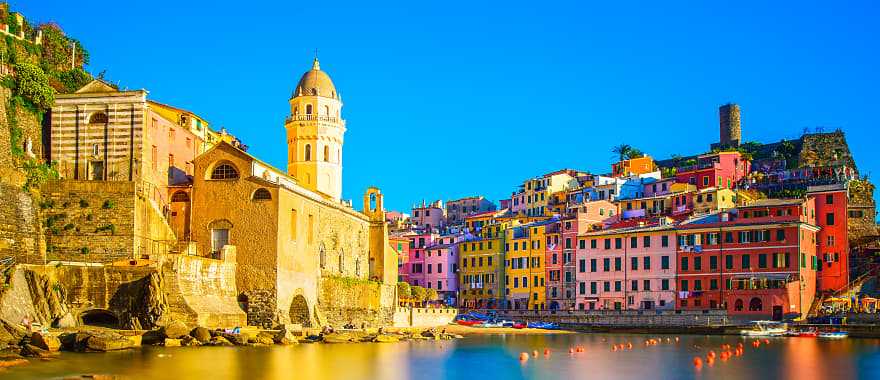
627	268
720	170
413	270
429	217
441	267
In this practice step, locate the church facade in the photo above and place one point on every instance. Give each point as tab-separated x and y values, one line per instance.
304	256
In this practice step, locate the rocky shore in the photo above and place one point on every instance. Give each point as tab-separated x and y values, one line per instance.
18	346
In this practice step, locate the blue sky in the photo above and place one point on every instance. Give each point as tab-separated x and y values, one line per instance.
449	99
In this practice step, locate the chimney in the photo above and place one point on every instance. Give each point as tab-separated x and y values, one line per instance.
729	125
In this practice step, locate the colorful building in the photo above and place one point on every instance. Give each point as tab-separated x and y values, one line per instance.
721	170
429	217
633	166
457	210
524	260
441	267
832	241
414	269
756	261
627	268
481	271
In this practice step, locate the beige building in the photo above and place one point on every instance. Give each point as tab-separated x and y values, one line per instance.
304	256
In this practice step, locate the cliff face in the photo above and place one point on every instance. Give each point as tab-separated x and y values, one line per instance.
825	149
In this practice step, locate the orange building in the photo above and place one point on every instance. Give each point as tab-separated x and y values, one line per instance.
634	166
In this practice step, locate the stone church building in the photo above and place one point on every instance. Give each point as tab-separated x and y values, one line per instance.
304	255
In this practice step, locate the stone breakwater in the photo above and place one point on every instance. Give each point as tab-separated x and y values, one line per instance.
18	346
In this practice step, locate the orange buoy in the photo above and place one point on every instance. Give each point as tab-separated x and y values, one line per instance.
614	348
710	361
676	339
698	362
711	354
524	356
629	345
546	352
535	353
571	350
766	341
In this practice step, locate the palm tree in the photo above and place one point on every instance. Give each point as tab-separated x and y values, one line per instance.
634	153
622	151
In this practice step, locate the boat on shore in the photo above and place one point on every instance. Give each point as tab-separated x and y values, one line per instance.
543	325
834	335
766	328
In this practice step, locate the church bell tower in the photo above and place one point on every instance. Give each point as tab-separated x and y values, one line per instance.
315	131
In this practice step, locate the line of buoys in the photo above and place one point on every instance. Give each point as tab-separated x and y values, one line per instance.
580	349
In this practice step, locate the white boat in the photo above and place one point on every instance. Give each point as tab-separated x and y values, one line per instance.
834	334
766	328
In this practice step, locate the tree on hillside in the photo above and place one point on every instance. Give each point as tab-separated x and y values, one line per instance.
32	84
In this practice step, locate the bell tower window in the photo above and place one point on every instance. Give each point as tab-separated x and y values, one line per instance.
326	153
308	109
308	152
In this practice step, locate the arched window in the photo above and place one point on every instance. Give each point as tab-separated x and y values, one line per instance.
308	109
738	305
327	110
357	266
295	110
180	196
224	171
755	304
98	118
326	153
322	256
308	152
262	195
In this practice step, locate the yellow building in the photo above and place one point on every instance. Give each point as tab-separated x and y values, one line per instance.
524	263
481	273
713	199
535	193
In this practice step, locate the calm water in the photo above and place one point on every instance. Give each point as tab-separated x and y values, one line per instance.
481	358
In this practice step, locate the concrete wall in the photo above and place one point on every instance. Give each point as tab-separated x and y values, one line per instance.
201	291
423	317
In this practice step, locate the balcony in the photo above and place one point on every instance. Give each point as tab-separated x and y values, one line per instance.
319	118
699	166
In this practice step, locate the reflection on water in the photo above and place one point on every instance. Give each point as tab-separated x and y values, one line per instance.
481	358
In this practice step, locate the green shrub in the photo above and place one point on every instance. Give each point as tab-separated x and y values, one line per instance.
84	250
32	84
108	204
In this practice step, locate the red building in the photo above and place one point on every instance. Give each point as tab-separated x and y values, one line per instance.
721	170
757	261
833	243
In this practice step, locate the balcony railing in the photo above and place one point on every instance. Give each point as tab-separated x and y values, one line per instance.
331	119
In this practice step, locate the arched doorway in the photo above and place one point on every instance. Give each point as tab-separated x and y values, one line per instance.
738	305
756	305
299	311
99	317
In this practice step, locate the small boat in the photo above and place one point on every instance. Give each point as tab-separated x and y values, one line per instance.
807	334
491	324
543	325
766	328
519	325
834	334
468	322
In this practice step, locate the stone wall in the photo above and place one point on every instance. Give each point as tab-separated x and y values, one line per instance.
346	300
20	232
90	221
423	317
102	222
